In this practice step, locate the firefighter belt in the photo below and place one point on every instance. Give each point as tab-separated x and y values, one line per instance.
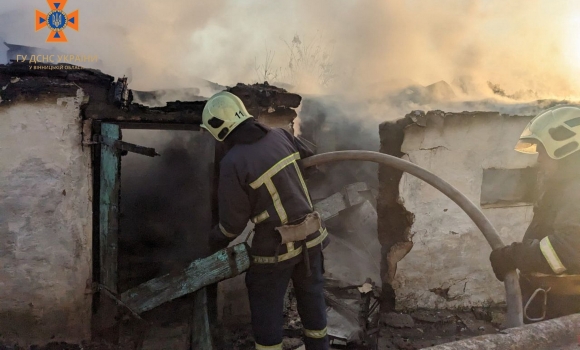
299	232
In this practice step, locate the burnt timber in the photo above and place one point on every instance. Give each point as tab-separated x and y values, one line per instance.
110	101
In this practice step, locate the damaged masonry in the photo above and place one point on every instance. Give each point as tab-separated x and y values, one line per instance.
80	146
89	179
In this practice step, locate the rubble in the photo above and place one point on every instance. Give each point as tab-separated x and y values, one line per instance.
431	327
497	318
396	320
341	328
351	217
560	333
474	325
432	316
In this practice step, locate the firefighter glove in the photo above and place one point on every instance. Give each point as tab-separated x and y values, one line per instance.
502	261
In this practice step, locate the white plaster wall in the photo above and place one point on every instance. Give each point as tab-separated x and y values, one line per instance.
45	223
449	250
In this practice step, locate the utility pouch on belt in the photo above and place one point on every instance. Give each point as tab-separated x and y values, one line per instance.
297	233
555	285
564	285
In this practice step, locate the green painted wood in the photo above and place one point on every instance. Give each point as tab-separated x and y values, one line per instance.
201	337
109	207
226	263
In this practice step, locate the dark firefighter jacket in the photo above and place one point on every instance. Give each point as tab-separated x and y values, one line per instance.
262	182
551	244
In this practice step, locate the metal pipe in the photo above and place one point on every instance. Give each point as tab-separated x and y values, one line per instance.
512	287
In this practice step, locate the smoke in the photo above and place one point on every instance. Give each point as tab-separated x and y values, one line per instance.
356	46
165	204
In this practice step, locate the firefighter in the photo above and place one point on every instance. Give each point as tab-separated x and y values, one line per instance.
549	255
261	181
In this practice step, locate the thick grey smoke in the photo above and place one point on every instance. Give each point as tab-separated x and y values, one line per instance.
165	204
356	46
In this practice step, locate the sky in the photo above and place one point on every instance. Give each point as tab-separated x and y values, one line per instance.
357	47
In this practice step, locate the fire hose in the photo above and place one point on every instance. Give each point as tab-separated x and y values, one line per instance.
512	287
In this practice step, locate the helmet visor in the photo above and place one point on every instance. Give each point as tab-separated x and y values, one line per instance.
527	146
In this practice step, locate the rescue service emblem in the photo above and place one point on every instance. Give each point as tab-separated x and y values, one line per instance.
57	20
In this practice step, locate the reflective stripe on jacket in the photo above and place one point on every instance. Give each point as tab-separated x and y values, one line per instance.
554	232
263	182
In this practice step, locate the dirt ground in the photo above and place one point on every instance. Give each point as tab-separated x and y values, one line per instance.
409	331
424	328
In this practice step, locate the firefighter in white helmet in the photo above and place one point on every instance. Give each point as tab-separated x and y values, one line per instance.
549	255
260	180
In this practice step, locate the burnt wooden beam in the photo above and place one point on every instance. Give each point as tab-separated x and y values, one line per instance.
265	96
174	113
110	101
226	263
158	126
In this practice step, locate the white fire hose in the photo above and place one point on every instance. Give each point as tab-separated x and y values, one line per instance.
512	287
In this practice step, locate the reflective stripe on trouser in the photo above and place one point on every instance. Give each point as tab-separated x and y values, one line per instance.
266	290
551	256
315	334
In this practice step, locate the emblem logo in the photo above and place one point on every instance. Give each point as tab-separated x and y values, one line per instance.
57	21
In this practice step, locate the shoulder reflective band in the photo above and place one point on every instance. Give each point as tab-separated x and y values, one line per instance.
266	179
226	233
269	347
275	169
551	256
315	334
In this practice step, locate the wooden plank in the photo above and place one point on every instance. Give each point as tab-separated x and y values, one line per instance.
201	334
109	207
173	113
226	263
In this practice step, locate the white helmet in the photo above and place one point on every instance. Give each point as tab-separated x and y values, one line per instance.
222	113
557	129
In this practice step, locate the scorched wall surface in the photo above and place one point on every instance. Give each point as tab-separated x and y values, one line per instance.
45	222
449	266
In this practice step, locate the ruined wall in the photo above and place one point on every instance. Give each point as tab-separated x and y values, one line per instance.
448	264
45	221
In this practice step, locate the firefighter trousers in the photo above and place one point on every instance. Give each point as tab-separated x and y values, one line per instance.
266	290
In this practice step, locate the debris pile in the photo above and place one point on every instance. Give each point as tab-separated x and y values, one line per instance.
420	329
352	264
351	218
